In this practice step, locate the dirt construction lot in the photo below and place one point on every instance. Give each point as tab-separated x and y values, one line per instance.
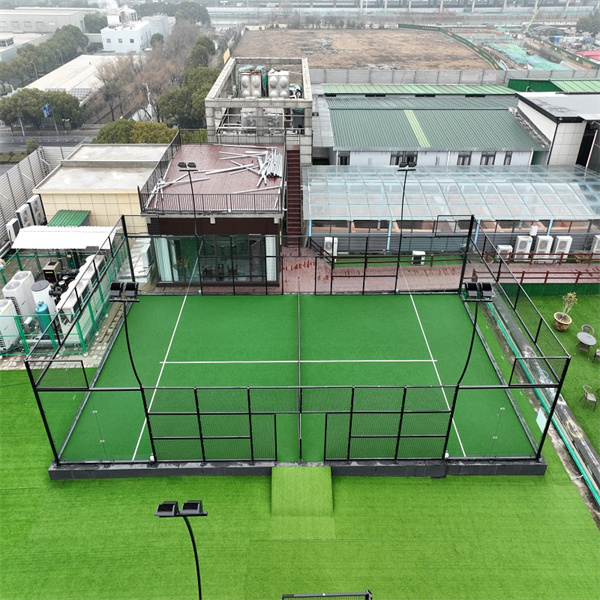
406	49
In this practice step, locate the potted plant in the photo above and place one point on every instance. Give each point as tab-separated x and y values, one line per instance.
562	320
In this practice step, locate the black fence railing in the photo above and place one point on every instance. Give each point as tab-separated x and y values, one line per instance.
332	423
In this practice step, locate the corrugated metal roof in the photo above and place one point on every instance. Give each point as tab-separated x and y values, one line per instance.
438	103
67	238
347	88
69	218
580	86
440	129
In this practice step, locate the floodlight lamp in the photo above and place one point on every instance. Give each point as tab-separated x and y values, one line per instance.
167	509
182	165
403	164
116	288
412	164
191	165
192	508
131	290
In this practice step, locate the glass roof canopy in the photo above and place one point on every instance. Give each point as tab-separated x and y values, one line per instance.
346	193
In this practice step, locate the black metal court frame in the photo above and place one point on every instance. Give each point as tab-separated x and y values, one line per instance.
355	441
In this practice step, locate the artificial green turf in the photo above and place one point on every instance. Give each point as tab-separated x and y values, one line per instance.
340	328
405	539
582	370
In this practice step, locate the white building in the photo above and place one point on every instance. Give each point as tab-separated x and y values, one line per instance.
126	34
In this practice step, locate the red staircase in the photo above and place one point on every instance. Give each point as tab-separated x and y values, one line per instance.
294	193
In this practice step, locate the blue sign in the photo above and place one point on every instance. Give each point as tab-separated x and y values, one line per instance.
46	110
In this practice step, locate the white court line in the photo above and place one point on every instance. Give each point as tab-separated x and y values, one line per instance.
436	371
164	362
277	362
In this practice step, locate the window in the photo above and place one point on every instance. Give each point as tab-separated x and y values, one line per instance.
464	159
487	158
343	159
398	158
131	41
27	24
108	40
507	158
120	41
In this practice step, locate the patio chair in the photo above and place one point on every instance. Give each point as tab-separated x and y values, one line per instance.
596	354
589	396
588	329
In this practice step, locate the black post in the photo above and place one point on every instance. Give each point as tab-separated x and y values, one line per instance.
467	246
250	424
350	424
552	409
187	522
42	413
457	388
127	247
400	423
137	377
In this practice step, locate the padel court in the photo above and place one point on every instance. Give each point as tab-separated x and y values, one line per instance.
292	378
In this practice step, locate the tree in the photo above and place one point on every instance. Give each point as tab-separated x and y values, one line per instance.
198	57
31	145
590	23
125	131
186	105
157	39
94	23
26	105
147	132
118	132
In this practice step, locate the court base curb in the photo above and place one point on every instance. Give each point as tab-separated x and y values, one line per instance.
421	468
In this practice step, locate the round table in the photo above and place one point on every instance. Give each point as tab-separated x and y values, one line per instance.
586	339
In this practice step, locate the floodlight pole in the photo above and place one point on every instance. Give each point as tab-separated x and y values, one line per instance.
189	168
189	527
403	167
191	508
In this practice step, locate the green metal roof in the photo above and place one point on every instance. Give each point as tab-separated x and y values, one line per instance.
348	88
435	129
437	103
69	218
581	86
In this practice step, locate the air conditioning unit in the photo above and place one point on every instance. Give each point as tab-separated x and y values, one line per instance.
25	216
96	262
331	246
37	209
20	295
12	228
543	245
68	308
562	245
9	334
596	245
418	257
504	251
523	247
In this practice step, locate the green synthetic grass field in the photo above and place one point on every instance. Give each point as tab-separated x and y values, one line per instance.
455	538
253	341
582	370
